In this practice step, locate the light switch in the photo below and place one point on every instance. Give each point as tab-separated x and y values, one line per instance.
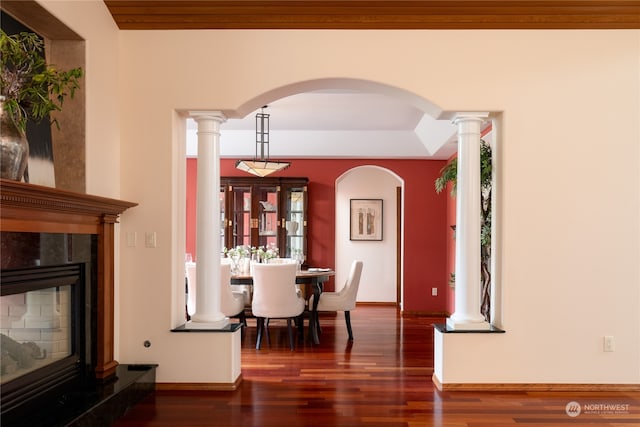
131	239
609	343
150	239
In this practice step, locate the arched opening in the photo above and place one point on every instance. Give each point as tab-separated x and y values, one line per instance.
426	267
381	258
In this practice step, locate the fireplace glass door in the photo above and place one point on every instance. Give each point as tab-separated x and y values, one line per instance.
35	330
42	316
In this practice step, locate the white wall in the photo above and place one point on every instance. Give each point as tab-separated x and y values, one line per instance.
378	280
92	21
570	206
569	203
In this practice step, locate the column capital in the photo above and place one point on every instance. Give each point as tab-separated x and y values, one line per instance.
470	116
216	115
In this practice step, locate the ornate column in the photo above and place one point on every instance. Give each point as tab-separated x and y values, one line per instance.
208	314
467	315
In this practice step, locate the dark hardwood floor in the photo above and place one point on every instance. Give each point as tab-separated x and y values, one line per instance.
382	378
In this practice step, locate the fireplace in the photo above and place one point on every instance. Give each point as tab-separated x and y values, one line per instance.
57	301
44	331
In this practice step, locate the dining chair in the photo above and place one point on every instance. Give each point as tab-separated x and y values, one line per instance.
245	290
281	261
285	261
275	297
231	303
342	300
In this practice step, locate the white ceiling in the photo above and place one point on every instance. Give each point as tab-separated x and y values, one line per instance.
338	124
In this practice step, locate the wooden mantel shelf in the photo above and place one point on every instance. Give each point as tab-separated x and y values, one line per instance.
30	208
53	209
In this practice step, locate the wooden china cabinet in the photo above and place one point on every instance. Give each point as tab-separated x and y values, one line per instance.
264	212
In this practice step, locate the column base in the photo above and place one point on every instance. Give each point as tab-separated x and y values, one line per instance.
207	324
466	325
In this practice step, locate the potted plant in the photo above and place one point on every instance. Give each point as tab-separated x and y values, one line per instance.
30	89
449	174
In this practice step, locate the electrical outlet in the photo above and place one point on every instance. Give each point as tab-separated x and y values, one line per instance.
609	343
434	292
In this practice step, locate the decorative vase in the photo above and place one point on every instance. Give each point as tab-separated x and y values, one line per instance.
14	149
292	227
235	264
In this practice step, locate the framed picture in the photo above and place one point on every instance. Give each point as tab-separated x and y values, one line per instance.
366	219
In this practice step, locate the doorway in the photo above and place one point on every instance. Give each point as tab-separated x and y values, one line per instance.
379	282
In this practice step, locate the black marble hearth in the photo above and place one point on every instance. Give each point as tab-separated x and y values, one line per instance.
97	405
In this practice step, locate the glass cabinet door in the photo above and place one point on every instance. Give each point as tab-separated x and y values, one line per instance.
295	221
268	215
240	216
223	217
267	212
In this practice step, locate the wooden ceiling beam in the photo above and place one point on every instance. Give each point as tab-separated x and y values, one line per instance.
374	14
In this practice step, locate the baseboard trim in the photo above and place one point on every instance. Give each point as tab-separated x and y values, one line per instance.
426	313
376	303
552	387
199	386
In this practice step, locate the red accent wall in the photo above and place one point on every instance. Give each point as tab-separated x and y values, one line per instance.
192	184
426	224
451	246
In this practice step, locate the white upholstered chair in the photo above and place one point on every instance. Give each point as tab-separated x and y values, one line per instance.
275	296
245	290
231	303
281	261
342	300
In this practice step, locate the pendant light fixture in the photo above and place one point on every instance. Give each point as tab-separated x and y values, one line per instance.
262	165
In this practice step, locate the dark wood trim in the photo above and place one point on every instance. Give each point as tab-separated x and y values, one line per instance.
535	387
399	245
376	304
374	14
37	201
416	313
40	209
200	386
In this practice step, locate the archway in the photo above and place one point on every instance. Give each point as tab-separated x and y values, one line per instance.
335	83
422	224
382	262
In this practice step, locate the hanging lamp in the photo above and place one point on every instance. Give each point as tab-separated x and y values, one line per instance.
261	165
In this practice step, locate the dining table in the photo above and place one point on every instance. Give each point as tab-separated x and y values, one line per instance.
311	282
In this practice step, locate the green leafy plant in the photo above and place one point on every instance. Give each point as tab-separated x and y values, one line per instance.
449	174
31	88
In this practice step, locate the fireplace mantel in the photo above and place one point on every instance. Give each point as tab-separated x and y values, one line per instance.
39	209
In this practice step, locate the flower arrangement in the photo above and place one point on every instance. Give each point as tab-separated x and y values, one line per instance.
237	256
260	254
267	253
237	252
